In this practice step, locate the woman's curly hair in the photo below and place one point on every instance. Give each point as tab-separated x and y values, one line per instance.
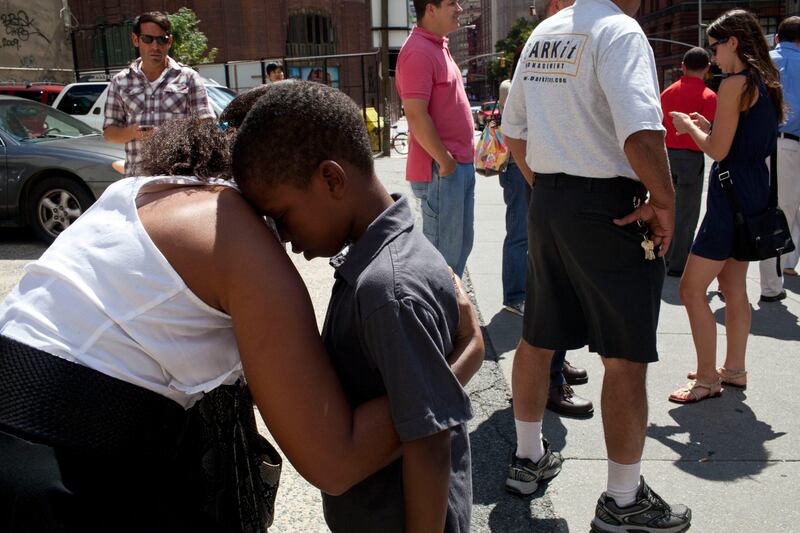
188	147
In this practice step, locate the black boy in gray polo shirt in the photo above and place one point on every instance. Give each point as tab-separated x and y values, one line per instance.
390	322
394	310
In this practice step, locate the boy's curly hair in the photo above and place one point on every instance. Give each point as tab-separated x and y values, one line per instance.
188	147
295	126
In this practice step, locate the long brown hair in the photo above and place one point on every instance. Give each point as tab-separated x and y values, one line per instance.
754	53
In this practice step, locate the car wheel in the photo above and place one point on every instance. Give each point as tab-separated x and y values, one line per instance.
54	204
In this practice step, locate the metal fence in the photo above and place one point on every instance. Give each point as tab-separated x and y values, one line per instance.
357	75
99	51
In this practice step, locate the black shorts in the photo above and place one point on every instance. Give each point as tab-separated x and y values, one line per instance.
588	281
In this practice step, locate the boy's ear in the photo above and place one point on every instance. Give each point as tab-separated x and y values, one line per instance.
333	176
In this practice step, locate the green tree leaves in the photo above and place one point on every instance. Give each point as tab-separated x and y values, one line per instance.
189	44
500	69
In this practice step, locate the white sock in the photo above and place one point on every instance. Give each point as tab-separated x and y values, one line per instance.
529	440
623	482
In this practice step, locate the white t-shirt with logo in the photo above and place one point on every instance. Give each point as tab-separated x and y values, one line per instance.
585	82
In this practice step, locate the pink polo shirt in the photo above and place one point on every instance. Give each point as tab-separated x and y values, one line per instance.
426	71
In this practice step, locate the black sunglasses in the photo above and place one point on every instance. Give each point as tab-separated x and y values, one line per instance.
713	47
160	39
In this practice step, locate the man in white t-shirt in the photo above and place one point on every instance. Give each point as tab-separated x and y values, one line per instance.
585	97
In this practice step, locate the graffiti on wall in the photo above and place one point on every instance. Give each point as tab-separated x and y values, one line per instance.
19	28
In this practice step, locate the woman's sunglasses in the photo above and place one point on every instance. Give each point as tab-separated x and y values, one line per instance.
160	39
713	47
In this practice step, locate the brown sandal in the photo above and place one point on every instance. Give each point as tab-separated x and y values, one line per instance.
691	392
729	378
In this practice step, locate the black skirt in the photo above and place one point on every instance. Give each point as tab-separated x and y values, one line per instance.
81	451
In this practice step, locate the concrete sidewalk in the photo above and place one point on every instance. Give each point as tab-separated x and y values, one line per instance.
733	460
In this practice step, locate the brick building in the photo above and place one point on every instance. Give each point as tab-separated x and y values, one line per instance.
677	21
245	31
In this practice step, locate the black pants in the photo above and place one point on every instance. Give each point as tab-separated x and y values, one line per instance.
687	176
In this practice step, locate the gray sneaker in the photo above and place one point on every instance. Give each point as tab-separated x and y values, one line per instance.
524	475
649	513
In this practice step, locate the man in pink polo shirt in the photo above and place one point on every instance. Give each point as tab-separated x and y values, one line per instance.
440	157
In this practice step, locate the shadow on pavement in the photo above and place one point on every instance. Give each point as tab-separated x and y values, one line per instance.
772	320
504	329
669	293
492	442
19	243
719	439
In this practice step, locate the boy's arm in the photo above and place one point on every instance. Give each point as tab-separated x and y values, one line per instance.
426	482
468	351
407	344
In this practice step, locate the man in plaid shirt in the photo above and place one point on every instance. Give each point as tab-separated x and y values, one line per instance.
152	90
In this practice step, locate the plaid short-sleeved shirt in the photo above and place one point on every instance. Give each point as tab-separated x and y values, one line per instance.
132	99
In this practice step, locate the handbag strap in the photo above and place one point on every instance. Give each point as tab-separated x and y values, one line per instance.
726	182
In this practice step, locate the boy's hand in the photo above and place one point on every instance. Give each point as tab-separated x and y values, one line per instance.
467	356
426	482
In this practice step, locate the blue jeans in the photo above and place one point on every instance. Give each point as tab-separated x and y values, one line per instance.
517	196
448	213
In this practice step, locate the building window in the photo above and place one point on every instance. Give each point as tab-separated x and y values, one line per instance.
768	24
310	34
117	44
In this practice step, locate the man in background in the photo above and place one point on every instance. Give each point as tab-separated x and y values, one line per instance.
275	72
441	153
687	162
152	90
786	57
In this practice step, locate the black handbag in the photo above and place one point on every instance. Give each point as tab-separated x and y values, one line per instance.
763	235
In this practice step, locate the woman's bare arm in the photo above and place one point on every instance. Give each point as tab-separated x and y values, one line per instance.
716	143
230	259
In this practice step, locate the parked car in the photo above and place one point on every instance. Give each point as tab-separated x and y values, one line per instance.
53	166
43	93
86	101
475	109
489	111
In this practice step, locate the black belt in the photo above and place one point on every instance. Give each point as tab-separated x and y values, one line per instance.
789	136
52	401
568	181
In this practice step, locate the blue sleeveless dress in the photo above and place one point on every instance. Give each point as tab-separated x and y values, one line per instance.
755	138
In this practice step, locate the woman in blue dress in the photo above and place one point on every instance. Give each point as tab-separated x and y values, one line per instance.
749	108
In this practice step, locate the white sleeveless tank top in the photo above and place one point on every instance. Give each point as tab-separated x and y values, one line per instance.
105	297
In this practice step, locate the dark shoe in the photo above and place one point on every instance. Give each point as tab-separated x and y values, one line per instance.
563	400
524	475
517	309
649	513
574	375
675	273
769	299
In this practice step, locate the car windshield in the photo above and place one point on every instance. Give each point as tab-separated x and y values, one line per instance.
220	96
27	122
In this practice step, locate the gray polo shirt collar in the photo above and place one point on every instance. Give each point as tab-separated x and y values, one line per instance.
352	261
